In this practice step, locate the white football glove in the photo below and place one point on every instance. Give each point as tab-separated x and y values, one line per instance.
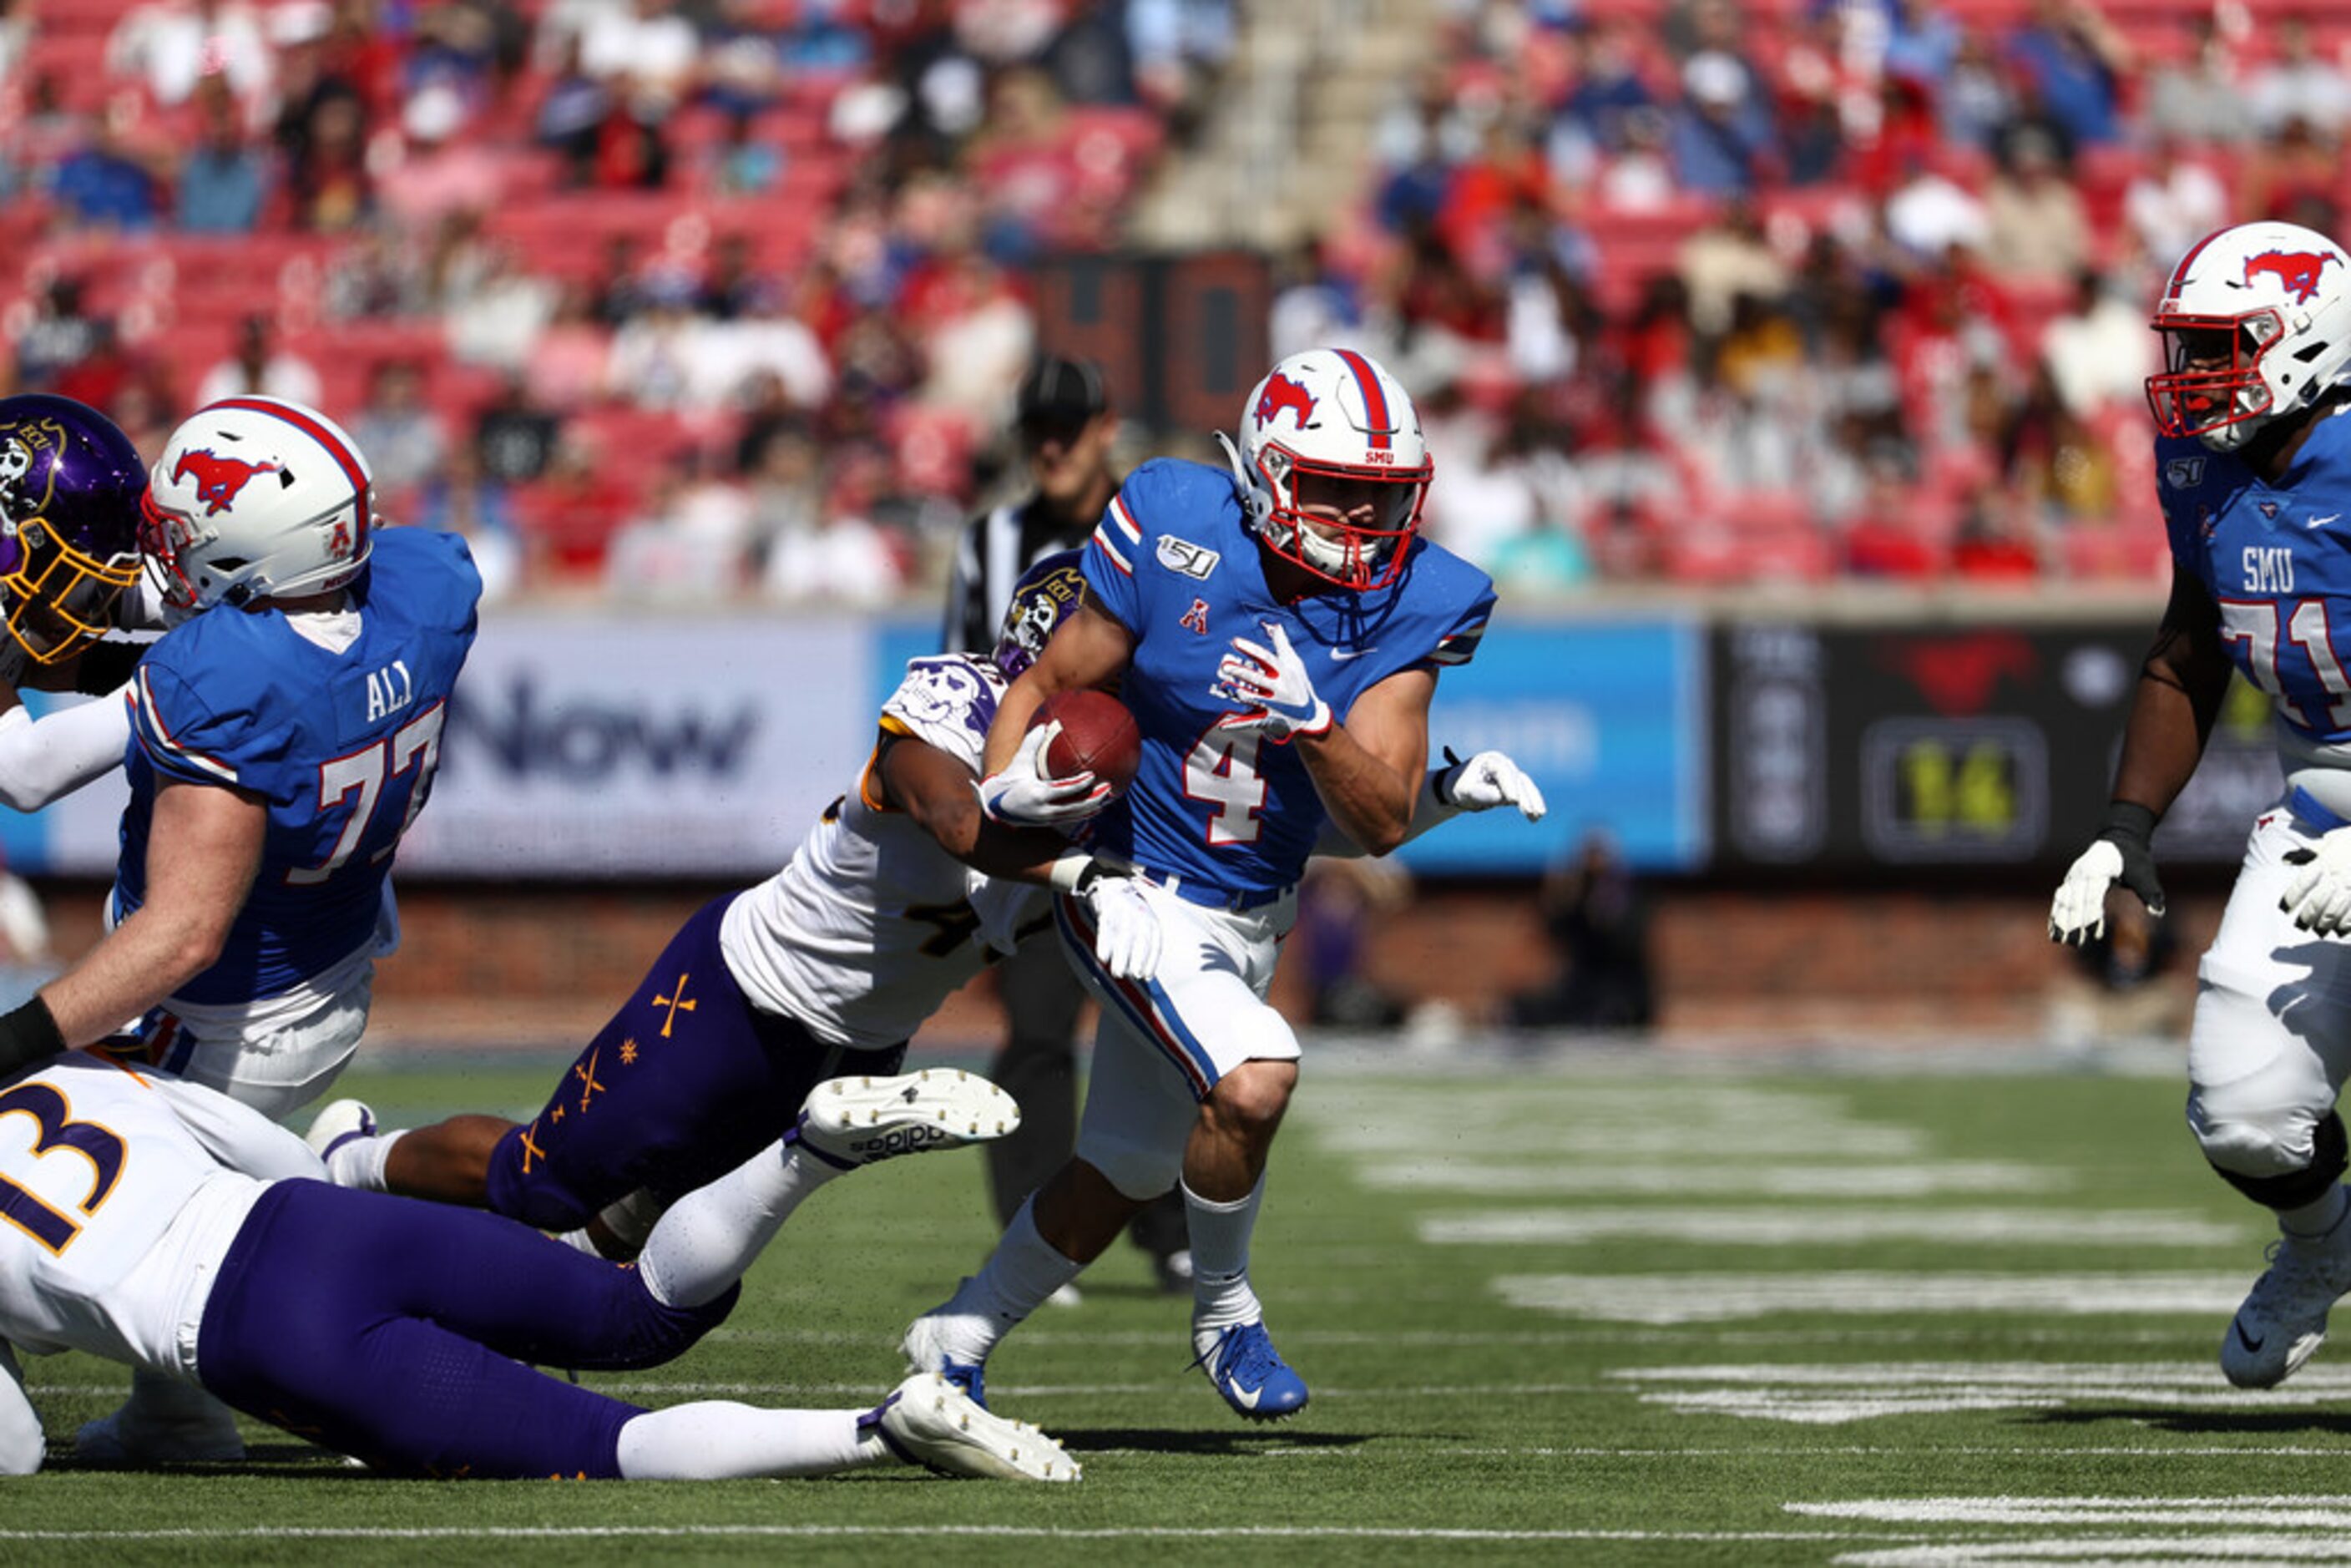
2319	897
1274	683
1488	780
2078	913
1025	796
1127	926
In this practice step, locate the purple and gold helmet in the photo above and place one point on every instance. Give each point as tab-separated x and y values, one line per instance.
70	484
1047	593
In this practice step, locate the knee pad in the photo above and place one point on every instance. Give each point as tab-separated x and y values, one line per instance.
2292	1189
1139	1172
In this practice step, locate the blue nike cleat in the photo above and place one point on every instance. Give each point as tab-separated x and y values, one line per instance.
1248	1372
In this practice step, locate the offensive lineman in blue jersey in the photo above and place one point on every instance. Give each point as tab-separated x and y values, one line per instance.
2254	467
1278	631
284	735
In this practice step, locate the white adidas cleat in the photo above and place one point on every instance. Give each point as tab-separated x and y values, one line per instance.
853	1121
2284	1320
928	1421
337	1124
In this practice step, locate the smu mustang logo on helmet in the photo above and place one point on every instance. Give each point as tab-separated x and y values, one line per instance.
1281	392
2296	270
218	479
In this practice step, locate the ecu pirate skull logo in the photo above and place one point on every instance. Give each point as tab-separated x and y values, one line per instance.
28	469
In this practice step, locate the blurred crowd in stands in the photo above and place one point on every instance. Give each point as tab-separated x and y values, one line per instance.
697	298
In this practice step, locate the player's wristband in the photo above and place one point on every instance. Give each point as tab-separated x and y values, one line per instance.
1073	873
2128	822
29	1035
106	666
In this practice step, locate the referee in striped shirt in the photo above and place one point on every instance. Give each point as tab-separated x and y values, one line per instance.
1066	428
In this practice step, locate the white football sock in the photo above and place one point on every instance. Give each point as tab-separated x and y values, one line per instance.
711	1235
1220	1251
1019	1275
717	1439
2316	1219
360	1162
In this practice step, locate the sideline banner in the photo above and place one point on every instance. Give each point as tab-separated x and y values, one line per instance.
600	747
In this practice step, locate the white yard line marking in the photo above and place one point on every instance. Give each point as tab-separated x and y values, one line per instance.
1924	1178
1005	1531
1786	1227
1714	1297
2286	1512
1834	1395
2109	1551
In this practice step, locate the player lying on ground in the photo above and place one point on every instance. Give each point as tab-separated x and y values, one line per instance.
155	1222
828	965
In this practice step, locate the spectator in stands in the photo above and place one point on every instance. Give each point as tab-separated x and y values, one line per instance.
459	499
2035	226
104	184
496	321
846	560
2075	62
1976	97
1727	257
171	45
569	362
1721	137
514	437
786	478
2056	468
2099	352
2172	202
440	170
225	178
2298	84
329	182
60	334
403	436
2292	177
647	50
745	163
572	115
688	543
1597	916
258	364
1178	47
2201	98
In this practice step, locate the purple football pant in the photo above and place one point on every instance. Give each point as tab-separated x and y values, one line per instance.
395	1331
686	1083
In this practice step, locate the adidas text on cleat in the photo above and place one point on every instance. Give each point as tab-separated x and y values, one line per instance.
337	1124
925	1348
2284	1320
853	1121
929	1421
1248	1372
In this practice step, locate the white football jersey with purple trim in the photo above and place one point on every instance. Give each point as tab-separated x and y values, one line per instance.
869	929
119	1194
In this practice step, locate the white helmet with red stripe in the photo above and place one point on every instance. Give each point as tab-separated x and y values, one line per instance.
1333	467
2256	324
255	499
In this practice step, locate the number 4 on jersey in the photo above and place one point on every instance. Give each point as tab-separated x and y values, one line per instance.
1222	770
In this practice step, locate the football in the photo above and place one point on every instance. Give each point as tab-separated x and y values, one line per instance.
1098	736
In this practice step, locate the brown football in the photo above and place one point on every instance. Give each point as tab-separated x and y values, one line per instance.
1098	736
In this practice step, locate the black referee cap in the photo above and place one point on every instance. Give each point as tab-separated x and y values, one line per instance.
1061	394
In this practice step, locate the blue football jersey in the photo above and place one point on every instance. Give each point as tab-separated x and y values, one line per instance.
2277	561
340	746
1173	561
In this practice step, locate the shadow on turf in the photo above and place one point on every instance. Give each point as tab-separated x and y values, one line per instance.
1158	1439
260	1459
2205	1422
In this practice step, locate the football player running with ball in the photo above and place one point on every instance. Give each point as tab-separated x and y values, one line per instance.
1278	631
2253	465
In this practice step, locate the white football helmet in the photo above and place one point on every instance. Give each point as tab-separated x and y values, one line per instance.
255	498
1332	415
2256	324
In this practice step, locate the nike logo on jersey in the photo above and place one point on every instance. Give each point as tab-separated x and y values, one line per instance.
2322	522
1343	655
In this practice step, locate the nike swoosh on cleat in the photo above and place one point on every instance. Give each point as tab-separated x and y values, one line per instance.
1246	1398
2249	1342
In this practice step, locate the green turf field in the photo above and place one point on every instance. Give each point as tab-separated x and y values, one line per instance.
1602	1314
